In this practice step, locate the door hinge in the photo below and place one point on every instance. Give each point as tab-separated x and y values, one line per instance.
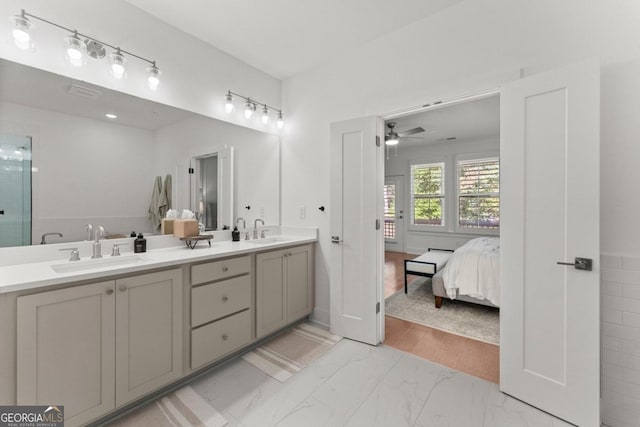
377	140
377	224
377	307
191	171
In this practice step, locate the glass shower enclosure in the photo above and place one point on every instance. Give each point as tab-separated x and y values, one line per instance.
15	190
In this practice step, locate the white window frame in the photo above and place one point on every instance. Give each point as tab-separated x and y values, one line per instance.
456	208
445	207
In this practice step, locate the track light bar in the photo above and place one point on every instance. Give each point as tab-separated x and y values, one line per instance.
78	49
250	106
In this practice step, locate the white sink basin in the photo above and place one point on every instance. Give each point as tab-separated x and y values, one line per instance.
268	240
92	264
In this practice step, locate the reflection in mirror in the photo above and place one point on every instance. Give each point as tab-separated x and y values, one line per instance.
207	180
88	168
15	190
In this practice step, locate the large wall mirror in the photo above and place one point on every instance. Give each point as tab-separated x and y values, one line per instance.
65	162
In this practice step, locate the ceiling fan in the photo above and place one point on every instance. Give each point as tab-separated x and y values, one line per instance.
393	137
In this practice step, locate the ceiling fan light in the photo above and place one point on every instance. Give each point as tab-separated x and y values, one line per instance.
153	77
21	32
391	138
117	65
228	103
75	50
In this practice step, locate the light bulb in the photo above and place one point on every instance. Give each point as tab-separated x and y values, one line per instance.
265	115
75	50
391	142
228	103
153	77
249	108
280	122
20	32
117	65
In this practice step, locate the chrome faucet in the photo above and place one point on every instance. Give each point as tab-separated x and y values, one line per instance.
97	246
89	229
44	237
255	227
244	223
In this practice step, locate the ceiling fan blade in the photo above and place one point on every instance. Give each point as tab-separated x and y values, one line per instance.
411	138
411	131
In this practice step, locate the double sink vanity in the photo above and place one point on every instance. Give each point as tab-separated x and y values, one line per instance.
98	335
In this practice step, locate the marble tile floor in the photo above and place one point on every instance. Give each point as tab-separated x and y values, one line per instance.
355	384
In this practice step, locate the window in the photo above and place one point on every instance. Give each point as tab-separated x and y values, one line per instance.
427	194
389	211
479	193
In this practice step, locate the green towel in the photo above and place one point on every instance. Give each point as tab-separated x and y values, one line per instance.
166	189
158	207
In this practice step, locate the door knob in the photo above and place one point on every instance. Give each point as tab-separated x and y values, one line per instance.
580	264
2	212
335	239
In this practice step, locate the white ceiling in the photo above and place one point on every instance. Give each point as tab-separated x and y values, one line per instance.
467	121
29	86
285	37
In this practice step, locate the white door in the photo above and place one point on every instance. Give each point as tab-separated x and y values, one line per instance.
393	200
356	235
550	313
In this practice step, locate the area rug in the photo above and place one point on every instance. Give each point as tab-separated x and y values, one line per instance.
292	351
183	408
457	317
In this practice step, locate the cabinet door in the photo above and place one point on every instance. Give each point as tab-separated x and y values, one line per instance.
271	310
65	350
148	333
299	279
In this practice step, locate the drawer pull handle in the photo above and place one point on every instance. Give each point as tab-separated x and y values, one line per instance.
225	337
225	269
225	298
123	288
109	291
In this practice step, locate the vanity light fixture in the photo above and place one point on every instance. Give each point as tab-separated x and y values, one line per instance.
228	103
21	31
250	107
79	46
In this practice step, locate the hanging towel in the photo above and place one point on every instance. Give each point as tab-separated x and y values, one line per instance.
158	204
166	189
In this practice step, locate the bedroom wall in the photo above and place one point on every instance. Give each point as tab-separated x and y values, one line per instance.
417	242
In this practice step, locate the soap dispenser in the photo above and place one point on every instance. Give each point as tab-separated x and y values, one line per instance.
140	244
235	235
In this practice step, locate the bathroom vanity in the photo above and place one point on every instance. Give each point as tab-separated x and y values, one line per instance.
98	335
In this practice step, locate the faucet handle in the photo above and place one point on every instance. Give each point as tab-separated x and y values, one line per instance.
115	251
74	255
262	236
246	235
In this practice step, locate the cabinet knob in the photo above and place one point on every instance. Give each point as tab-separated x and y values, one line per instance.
225	298
225	269
122	288
109	291
225	337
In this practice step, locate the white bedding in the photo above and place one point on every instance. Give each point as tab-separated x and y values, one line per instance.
474	270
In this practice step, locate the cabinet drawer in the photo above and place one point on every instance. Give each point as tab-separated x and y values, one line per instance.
216	339
216	300
216	270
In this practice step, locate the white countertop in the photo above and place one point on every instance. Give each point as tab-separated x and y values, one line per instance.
39	274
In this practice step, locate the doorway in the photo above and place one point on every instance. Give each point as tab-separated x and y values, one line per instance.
15	188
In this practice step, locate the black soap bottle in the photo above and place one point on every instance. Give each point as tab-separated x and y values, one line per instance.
235	234
140	244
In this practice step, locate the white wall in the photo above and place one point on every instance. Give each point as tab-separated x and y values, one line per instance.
417	242
196	76
256	178
87	171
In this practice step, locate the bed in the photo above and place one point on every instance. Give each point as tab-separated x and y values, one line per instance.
471	274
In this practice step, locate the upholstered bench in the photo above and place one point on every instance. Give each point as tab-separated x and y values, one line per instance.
427	264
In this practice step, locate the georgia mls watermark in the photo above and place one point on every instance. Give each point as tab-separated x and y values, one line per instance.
32	416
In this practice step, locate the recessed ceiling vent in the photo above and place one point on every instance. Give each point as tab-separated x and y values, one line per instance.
84	91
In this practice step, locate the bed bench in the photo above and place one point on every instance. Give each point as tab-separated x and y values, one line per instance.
427	264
